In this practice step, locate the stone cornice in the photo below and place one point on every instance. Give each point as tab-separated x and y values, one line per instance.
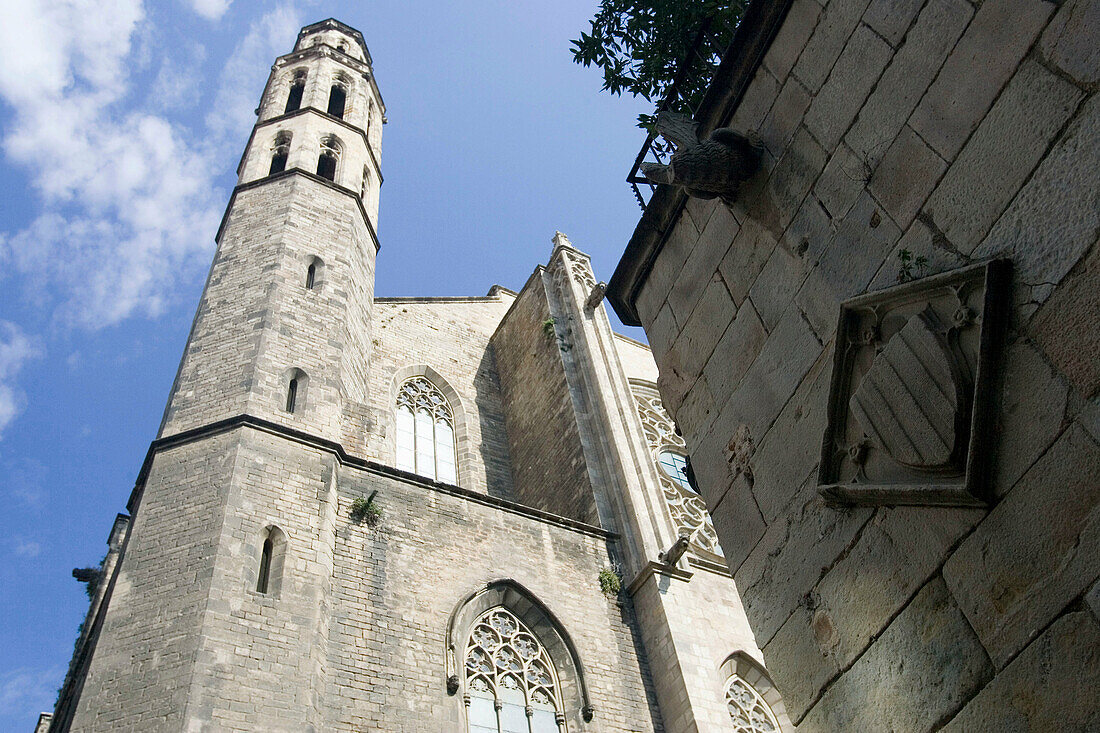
302	438
760	23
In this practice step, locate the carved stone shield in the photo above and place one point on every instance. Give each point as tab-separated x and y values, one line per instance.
907	401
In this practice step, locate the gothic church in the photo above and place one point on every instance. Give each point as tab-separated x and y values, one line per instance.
403	514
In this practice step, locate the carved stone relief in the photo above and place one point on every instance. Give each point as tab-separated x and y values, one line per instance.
909	399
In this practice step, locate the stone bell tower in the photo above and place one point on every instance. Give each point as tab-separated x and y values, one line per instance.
275	365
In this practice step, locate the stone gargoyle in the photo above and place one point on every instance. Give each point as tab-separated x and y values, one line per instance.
706	169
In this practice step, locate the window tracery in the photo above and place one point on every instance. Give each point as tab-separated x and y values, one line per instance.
748	710
511	683
425	431
688	511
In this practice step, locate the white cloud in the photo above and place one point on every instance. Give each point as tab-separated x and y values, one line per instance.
16	348
26	548
26	692
210	9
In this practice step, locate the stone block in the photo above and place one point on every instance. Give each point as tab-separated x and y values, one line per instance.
811	232
1070	40
774	289
898	550
1030	416
666	268
790	351
856	71
737	522
785	116
907	77
906	175
798	661
662	334
1064	660
792	178
708	321
925	665
1055	216
1035	552
1092	600
983	60
920	241
787	561
734	352
792	36
709	250
744	260
1001	154
1066	326
891	18
834	26
756	102
696	412
700	210
842	181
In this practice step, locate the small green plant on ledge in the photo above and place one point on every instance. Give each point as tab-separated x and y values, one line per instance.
548	328
611	581
366	510
910	267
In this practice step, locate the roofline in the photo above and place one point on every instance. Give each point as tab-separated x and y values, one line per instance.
755	33
333	24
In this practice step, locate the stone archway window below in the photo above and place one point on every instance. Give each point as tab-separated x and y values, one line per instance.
749	711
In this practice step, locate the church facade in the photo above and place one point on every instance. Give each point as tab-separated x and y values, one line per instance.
403	514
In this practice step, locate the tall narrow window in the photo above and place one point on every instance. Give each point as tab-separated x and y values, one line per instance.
337	97
425	431
280	150
330	154
311	275
363	185
511	682
265	566
297	89
292	394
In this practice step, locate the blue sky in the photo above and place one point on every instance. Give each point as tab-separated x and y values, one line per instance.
121	123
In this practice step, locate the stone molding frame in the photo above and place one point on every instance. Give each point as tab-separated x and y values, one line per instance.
463	462
910	402
542	623
748	669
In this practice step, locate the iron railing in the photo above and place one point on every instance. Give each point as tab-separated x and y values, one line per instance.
706	51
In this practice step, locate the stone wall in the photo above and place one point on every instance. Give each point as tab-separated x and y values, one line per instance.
955	132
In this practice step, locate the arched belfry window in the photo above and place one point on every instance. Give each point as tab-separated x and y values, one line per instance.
295	382
280	150
297	89
269	573
338	96
511	683
329	157
425	431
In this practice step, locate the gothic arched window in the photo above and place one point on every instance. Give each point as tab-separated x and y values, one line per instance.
511	683
280	150
425	431
338	96
297	88
269	575
330	155
748	709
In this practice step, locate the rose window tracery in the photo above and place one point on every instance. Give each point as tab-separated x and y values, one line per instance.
748	710
689	513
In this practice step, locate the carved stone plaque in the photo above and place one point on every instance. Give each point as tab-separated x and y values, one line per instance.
909	401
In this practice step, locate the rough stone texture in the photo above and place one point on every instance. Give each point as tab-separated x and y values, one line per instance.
785	116
1065	658
834	26
797	27
1000	155
842	181
984	59
905	177
1021	566
1069	42
1065	326
891	18
925	665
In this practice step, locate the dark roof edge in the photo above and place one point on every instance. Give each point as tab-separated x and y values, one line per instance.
754	36
337	25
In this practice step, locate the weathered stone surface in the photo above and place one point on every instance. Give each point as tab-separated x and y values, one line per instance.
920	241
1066	326
700	211
1055	216
776	285
1070	41
663	332
1092	600
744	260
785	116
786	563
792	36
1030	416
984	59
708	321
737	522
736	350
700	266
1002	152
906	176
666	269
922	668
793	176
1036	551
907	77
1066	659
834	26
842	181
756	102
891	18
856	71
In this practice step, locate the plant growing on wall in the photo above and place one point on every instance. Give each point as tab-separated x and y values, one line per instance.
641	46
366	510
910	267
611	581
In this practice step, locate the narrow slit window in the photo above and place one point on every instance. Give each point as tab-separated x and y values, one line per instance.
264	575
292	394
311	275
363	185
